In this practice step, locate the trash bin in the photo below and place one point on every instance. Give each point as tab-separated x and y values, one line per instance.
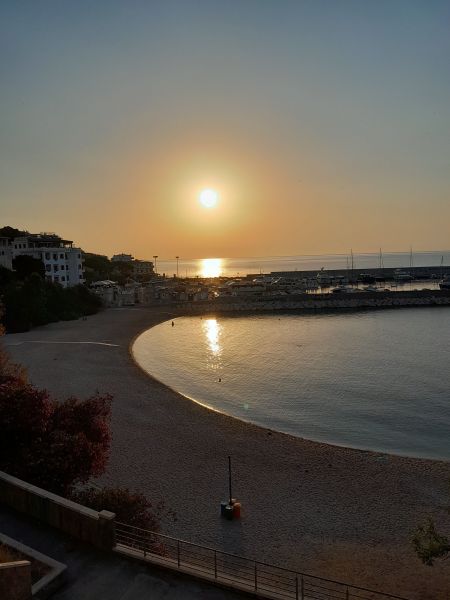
223	505
229	512
237	510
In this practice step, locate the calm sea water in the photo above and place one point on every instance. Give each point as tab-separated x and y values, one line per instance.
377	380
232	267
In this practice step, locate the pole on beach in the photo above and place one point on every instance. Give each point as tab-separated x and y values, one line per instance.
229	478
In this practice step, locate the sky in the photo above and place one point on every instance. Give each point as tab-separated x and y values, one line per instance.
322	125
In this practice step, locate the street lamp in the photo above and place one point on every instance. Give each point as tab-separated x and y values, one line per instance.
155	256
177	257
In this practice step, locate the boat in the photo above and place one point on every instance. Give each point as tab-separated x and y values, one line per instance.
323	279
401	275
444	284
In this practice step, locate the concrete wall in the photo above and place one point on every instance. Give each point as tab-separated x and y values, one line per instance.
15	580
94	527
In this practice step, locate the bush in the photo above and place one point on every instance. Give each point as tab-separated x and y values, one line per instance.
50	444
131	508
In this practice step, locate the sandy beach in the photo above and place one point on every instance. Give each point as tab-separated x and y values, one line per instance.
330	511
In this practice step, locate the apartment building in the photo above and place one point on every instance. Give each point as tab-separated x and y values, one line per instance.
63	262
5	253
140	267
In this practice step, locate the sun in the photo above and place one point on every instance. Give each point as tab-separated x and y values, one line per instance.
208	198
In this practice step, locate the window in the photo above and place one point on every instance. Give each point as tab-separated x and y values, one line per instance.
61	256
47	256
55	268
48	267
63	278
55	257
56	279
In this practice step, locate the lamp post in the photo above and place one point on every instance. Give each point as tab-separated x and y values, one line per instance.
177	257
155	256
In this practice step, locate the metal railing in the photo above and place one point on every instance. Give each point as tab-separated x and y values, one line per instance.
236	571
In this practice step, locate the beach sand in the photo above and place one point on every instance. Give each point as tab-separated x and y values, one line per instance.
334	512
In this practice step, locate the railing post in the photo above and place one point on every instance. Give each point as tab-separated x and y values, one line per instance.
256	576
296	587
215	564
346	594
178	553
303	589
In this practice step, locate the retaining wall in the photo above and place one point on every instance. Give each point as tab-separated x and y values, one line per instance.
88	525
15	580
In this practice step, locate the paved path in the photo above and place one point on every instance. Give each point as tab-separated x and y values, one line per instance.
93	575
330	511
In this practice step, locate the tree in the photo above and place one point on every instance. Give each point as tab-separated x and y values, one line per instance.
25	265
429	544
39	435
8	369
97	267
11	232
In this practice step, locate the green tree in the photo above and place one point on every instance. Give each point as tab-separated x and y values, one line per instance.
25	265
429	544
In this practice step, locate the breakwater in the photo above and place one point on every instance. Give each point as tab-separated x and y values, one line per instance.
381	273
319	302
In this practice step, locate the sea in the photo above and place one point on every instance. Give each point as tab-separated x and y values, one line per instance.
376	380
236	267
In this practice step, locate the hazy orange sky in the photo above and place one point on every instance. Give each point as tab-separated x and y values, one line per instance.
323	126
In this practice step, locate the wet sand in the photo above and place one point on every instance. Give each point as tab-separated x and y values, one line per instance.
330	511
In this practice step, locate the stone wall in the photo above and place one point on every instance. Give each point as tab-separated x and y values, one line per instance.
94	527
323	302
15	580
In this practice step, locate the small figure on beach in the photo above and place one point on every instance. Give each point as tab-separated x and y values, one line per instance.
220	379
173	324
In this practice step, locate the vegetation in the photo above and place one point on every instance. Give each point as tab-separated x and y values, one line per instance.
99	267
39	434
30	301
11	232
132	508
429	544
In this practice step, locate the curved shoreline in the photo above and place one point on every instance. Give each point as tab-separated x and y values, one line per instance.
342	513
207	406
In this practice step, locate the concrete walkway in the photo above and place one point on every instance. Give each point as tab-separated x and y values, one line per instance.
93	575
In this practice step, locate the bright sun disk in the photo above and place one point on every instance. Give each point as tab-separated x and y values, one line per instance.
208	198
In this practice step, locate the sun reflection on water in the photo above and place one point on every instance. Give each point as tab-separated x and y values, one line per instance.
212	331
211	267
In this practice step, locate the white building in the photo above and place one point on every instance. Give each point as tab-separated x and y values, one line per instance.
5	253
122	258
62	262
140	267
